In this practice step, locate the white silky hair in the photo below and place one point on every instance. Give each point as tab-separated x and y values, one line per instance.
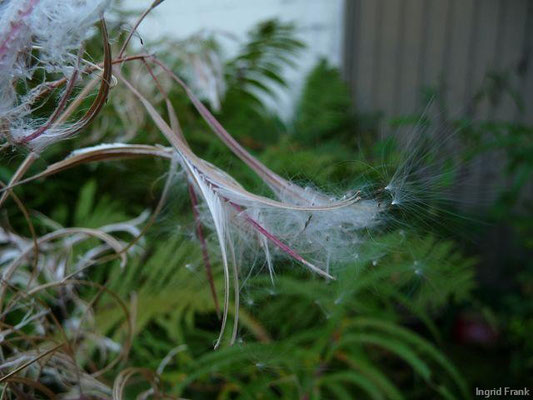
55	27
39	35
322	235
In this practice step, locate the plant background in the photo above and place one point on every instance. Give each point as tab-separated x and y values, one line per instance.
414	316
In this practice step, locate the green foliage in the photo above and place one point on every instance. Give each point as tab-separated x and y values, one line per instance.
513	140
324	106
346	338
255	74
271	47
504	268
298	337
94	211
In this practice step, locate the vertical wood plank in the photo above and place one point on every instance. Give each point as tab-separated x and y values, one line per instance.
527	88
411	48
438	34
512	44
485	39
389	53
366	57
350	48
460	54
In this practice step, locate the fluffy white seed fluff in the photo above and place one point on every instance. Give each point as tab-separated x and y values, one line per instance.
38	35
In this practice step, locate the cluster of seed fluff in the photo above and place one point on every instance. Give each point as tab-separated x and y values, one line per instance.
326	238
44	35
322	237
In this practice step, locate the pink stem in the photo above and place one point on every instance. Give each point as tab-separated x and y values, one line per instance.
277	242
60	107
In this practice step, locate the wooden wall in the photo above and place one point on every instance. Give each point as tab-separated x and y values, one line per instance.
394	48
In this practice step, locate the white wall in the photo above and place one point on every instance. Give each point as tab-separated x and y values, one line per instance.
319	23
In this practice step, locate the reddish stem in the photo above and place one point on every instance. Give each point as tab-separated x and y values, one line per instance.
277	242
60	107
